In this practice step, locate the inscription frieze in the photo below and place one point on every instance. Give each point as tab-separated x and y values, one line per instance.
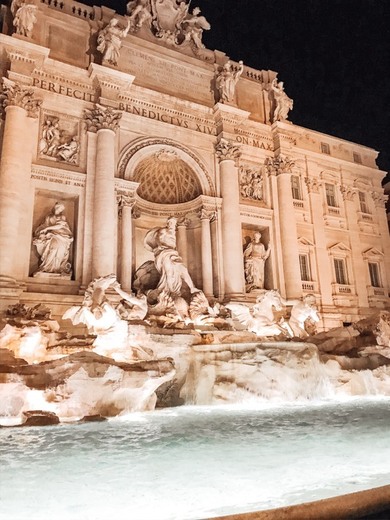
64	90
172	118
58	177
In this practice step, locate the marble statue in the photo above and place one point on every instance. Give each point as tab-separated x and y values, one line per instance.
193	26
53	239
226	81
255	255
302	311
131	307
168	263
110	40
139	12
261	319
283	104
24	17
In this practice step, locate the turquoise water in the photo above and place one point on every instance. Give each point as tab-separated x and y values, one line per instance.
194	462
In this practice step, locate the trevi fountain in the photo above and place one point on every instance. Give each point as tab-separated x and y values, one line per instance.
144	390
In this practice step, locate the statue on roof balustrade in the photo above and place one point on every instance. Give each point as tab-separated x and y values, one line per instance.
226	81
24	15
282	103
110	40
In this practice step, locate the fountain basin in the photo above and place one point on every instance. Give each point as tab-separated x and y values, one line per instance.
197	462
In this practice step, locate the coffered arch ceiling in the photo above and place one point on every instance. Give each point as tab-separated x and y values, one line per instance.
165	178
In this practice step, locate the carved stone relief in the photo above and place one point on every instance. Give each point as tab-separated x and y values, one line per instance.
59	139
251	183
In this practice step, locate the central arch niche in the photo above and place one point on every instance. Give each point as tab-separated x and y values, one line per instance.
166	179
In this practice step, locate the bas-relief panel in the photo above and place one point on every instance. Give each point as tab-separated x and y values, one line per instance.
171	77
59	138
43	205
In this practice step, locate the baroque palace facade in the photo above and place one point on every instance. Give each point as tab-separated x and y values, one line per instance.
112	124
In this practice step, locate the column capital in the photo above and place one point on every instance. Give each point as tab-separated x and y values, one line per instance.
227	150
101	117
124	201
379	199
279	165
183	221
206	214
313	184
13	94
347	192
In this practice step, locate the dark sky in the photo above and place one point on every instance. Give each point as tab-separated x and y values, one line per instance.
333	56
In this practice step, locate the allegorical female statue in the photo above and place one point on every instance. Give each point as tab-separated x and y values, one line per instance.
226	81
53	239
110	40
255	255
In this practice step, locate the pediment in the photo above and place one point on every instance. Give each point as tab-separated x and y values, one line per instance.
303	241
373	252
340	247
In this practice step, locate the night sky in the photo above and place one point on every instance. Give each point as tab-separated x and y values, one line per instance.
332	55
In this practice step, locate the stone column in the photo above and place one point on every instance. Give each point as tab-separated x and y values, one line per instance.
207	257
233	262
15	172
281	167
181	237
125	211
105	122
324	272
358	263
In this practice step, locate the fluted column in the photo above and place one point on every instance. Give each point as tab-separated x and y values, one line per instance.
105	122
233	263
358	263
207	258
181	237
15	172
322	257
281	167
125	213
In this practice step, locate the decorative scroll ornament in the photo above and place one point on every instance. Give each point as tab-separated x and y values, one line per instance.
279	165
101	117
313	185
227	150
347	192
13	94
251	184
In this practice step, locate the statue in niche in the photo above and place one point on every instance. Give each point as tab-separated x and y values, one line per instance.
139	12
226	81
53	239
193	26
24	17
251	184
261	318
283	104
166	281
110	40
302	311
255	255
